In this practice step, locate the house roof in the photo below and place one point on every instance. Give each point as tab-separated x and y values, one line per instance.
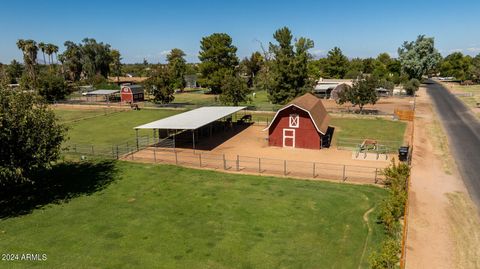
127	79
314	107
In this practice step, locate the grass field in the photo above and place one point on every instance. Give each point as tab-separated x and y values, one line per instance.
127	215
118	127
470	101
110	129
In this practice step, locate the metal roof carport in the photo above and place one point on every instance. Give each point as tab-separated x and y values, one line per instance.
191	120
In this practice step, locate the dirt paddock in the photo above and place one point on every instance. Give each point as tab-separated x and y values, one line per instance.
247	151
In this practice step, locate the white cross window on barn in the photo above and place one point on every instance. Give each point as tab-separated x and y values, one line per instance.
294	121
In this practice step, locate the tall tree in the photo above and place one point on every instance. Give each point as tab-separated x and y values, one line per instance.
14	72
71	58
217	56
457	65
289	68
234	90
251	66
337	63
30	137
116	64
177	66
30	51
43	47
96	58
418	57
160	86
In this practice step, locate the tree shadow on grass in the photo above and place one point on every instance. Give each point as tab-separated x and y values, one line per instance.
58	185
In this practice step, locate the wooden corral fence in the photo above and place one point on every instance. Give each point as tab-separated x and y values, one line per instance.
404	114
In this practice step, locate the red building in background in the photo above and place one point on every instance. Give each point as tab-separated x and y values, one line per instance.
132	93
302	123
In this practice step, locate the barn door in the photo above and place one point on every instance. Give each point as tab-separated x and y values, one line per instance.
289	138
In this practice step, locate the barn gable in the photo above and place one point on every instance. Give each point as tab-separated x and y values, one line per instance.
314	107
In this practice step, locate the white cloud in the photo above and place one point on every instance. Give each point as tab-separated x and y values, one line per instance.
456	50
473	49
164	52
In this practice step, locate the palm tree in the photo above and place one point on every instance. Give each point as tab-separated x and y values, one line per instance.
55	51
30	49
49	52
42	46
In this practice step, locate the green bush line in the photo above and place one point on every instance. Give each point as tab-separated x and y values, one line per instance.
391	211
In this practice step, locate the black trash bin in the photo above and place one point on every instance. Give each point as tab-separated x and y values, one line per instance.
403	153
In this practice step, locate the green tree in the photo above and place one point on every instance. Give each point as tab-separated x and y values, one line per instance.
411	86
43	47
14	72
234	90
251	66
71	59
337	63
457	65
361	93
217	56
177	66
116	64
160	86
95	58
30	137
30	51
418	57
288	70
52	87
476	68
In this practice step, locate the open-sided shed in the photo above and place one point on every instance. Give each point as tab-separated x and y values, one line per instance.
191	121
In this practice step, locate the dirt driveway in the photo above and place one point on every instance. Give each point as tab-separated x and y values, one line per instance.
443	227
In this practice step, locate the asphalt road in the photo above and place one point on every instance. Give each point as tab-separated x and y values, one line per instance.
463	130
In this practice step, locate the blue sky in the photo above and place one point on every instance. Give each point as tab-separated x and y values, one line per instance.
148	29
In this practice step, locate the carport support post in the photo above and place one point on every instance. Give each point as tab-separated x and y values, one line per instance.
154	155
238	163
193	138
260	165
224	162
136	134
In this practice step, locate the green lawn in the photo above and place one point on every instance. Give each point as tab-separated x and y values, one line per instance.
127	215
67	116
112	128
388	132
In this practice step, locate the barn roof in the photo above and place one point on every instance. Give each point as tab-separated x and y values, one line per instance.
192	119
313	105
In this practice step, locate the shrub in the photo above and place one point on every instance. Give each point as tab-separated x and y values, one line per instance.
387	258
411	86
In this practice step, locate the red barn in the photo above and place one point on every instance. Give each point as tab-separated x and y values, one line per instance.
132	93
302	123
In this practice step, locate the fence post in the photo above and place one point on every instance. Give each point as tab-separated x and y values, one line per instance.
224	162
284	167
238	163
154	154
376	171
117	152
260	165
132	154
344	177
200	159
113	152
313	170
75	148
93	152
176	157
